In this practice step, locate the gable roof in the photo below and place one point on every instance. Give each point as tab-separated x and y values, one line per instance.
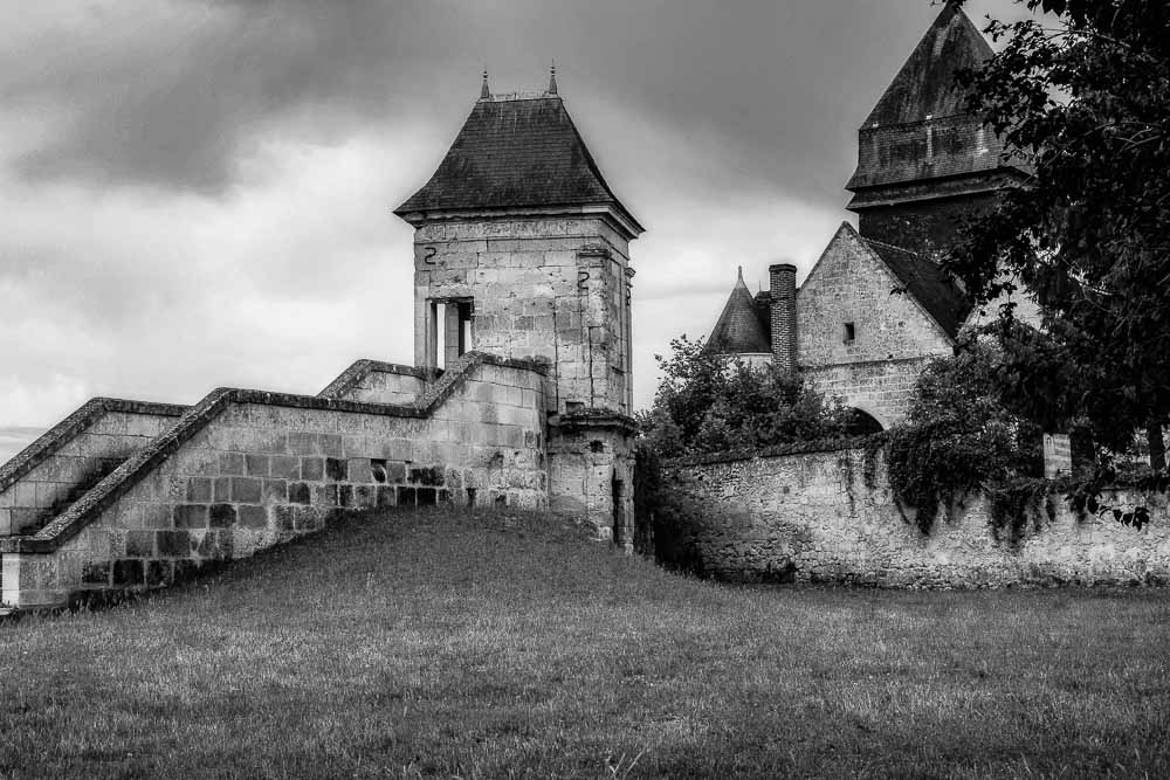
925	86
739	329
925	281
516	153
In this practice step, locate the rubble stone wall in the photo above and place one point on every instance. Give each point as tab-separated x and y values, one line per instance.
881	388
812	517
892	335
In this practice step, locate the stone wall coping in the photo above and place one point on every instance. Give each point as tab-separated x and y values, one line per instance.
838	444
352	376
595	417
438	392
70	522
50	442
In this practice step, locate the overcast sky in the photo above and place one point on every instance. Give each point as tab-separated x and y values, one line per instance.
197	193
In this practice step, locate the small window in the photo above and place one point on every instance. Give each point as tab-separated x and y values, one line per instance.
850	333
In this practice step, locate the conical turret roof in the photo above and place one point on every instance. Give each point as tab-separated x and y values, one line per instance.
925	86
739	329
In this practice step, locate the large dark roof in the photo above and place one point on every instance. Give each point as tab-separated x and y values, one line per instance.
925	86
515	153
927	284
740	329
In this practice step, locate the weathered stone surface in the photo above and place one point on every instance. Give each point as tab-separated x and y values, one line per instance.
128	572
190	516
222	515
816	517
299	493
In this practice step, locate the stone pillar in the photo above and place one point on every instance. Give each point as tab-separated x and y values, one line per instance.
782	283
1057	455
452	333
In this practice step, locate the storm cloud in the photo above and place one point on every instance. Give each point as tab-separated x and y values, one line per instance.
198	192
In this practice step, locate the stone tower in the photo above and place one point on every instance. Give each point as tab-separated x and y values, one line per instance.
521	249
924	163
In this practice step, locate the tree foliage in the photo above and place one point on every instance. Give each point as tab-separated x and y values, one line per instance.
708	402
957	437
1082	97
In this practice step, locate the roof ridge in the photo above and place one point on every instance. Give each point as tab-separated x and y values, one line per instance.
896	247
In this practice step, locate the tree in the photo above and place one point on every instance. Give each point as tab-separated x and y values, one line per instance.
707	402
957	437
1082	97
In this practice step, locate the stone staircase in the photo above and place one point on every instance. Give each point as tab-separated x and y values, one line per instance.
60	467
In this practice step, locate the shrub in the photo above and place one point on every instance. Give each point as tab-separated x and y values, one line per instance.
708	402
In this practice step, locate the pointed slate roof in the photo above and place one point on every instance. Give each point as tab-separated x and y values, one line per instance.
925	86
516	153
926	283
739	329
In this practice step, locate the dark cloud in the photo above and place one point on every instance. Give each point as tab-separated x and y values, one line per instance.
178	97
177	105
197	192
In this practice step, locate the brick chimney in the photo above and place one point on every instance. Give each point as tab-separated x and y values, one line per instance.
782	285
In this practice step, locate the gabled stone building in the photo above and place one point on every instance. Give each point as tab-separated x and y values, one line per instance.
876	305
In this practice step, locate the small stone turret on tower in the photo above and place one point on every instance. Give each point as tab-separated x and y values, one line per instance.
740	329
924	163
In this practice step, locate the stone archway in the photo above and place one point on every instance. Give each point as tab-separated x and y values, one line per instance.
862	423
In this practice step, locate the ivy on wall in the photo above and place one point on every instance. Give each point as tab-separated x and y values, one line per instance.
958	438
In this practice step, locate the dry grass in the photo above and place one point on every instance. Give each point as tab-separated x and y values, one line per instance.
405	645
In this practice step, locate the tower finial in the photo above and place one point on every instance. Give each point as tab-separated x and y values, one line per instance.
484	92
552	78
740	279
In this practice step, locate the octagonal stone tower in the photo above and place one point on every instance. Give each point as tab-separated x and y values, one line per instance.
521	249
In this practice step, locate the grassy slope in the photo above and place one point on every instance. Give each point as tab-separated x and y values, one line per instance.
408	644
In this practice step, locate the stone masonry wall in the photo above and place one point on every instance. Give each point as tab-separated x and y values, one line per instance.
245	470
73	456
882	388
811	517
549	288
591	476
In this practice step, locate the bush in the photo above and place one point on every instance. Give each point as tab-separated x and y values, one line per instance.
708	402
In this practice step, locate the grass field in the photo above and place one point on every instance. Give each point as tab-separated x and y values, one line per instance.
494	646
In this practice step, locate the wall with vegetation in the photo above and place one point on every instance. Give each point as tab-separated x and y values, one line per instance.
830	515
